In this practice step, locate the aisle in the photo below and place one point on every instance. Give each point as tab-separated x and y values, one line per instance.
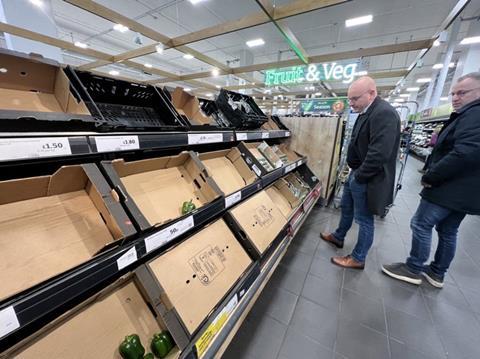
313	309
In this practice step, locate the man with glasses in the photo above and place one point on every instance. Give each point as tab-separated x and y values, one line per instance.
451	189
371	155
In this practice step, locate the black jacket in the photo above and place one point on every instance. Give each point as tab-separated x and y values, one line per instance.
454	165
372	153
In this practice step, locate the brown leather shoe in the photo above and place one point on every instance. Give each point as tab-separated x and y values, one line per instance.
347	262
330	238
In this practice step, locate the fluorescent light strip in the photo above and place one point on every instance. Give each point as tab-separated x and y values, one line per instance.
188	57
80	44
470	40
413	89
359	20
443	98
440	66
255	42
424	80
114	72
404	95
120	28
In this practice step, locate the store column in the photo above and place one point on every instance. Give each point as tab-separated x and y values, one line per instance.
33	15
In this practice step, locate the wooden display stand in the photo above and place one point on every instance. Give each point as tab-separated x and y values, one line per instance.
319	139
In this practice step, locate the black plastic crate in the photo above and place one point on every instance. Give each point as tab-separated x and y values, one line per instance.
240	110
123	105
278	122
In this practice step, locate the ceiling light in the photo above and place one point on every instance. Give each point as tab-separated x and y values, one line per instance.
217	86
148	66
120	27
209	94
159	48
81	45
3	70
318	94
359	20
424	80
255	42
38	3
362	73
113	72
253	83
346	81
443	98
436	43
195	2
440	66
404	95
187	89
334	94
399	100
188	57
470	40
267	91
413	89
215	72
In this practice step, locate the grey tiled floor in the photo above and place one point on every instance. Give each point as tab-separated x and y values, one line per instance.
312	309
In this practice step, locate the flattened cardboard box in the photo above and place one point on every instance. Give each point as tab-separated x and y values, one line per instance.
154	190
259	221
283	197
96	328
228	169
53	223
34	85
205	267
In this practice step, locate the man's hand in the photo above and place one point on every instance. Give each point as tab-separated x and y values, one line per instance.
426	185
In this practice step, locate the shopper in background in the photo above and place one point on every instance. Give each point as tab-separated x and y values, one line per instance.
372	157
451	188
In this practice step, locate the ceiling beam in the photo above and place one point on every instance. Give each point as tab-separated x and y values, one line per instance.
259	18
286	32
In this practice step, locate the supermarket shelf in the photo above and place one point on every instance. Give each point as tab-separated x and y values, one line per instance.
433	119
35	145
219	331
28	311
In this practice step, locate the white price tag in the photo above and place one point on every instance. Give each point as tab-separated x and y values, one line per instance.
127	258
8	321
265	135
167	234
287	134
233	198
198	138
116	143
242	136
15	148
256	170
291	167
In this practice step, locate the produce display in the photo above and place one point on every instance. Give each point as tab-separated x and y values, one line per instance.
188	206
131	347
162	343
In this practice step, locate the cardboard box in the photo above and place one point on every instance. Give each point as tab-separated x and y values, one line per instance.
283	197
153	190
189	106
270	125
297	185
96	328
257	221
228	169
50	224
206	266
285	154
251	150
33	84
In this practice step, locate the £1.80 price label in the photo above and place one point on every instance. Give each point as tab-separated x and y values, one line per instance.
116	143
18	148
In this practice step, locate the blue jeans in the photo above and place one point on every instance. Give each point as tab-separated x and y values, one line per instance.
446	222
355	206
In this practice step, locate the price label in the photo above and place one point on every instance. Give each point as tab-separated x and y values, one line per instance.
290	168
287	134
256	170
127	258
232	199
16	148
242	136
265	135
8	321
168	234
198	138
116	143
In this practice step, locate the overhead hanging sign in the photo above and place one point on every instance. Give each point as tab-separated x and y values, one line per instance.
297	75
330	105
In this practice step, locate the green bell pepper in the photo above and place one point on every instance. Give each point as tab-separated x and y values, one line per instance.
187	207
161	344
131	347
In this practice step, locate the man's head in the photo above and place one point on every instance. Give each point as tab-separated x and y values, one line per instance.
361	93
466	90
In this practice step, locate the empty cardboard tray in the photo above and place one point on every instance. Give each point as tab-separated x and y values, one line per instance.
228	169
188	105
283	197
154	190
257	221
50	224
206	266
96	328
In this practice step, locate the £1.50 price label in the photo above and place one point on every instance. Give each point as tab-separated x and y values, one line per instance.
18	148
116	143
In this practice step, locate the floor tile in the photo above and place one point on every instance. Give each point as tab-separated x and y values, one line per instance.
324	269
401	351
296	346
289	279
362	282
363	310
406	301
276	302
297	260
322	292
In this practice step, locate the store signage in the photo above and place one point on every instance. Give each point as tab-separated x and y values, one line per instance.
325	105
297	75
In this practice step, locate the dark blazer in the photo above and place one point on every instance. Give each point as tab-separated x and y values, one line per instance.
373	151
454	165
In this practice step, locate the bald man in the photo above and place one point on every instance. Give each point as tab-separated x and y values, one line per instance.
371	155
